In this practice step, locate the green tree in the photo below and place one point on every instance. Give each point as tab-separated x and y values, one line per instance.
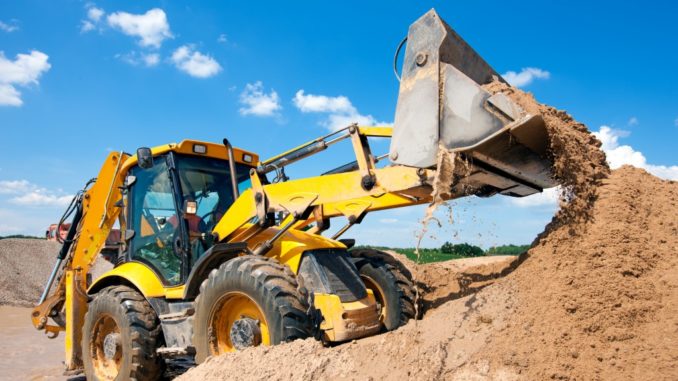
462	249
447	248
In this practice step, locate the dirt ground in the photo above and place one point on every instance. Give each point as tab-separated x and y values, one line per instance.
25	353
21	344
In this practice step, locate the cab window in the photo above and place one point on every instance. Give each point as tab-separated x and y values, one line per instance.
153	217
207	181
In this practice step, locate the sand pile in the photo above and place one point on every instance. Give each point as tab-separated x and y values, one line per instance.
25	265
603	305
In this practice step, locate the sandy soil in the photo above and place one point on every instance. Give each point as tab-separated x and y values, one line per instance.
452	280
598	306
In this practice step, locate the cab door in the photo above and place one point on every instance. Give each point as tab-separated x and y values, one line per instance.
155	218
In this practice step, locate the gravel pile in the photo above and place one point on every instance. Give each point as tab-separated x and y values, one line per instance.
25	265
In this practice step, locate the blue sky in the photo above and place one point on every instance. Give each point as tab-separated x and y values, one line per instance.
78	79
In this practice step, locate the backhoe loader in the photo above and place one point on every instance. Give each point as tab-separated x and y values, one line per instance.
221	251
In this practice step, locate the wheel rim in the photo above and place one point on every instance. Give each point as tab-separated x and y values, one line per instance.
378	295
106	349
237	322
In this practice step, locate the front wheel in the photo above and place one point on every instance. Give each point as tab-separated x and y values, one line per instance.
391	284
120	337
248	301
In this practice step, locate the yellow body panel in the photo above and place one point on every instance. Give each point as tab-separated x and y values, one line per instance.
328	189
140	275
376	131
186	147
290	247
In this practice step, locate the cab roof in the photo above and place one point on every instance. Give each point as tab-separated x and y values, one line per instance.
193	147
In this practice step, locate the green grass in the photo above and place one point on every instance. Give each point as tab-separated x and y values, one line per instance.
428	255
425	255
436	255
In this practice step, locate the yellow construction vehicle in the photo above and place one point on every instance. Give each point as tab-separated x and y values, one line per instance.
215	256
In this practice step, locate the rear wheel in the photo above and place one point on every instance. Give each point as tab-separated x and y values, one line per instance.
248	301
120	337
391	284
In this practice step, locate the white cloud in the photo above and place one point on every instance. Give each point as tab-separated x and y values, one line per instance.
388	220
26	69
549	197
195	63
10	27
134	58
222	38
152	27
633	121
257	102
336	122
322	103
9	96
37	198
618	155
526	76
15	186
86	26
26	193
151	59
94	15
341	111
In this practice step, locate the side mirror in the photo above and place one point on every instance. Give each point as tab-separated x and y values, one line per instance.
144	157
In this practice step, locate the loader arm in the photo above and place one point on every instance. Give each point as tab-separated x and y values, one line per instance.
96	217
442	105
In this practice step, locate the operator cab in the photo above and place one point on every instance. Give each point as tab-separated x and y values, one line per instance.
175	200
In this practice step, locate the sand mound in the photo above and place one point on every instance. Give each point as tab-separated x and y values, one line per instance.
602	305
599	306
25	265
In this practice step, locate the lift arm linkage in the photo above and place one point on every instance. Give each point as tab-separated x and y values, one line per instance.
351	194
98	214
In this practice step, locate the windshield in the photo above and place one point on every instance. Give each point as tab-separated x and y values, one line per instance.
207	181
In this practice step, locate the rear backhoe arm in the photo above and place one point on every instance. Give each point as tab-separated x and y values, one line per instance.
66	305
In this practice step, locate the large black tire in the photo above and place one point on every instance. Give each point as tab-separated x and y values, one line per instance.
269	284
122	309
391	283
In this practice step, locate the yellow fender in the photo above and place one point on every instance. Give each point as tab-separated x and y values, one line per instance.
136	273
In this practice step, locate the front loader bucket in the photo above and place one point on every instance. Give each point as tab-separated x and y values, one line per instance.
442	104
